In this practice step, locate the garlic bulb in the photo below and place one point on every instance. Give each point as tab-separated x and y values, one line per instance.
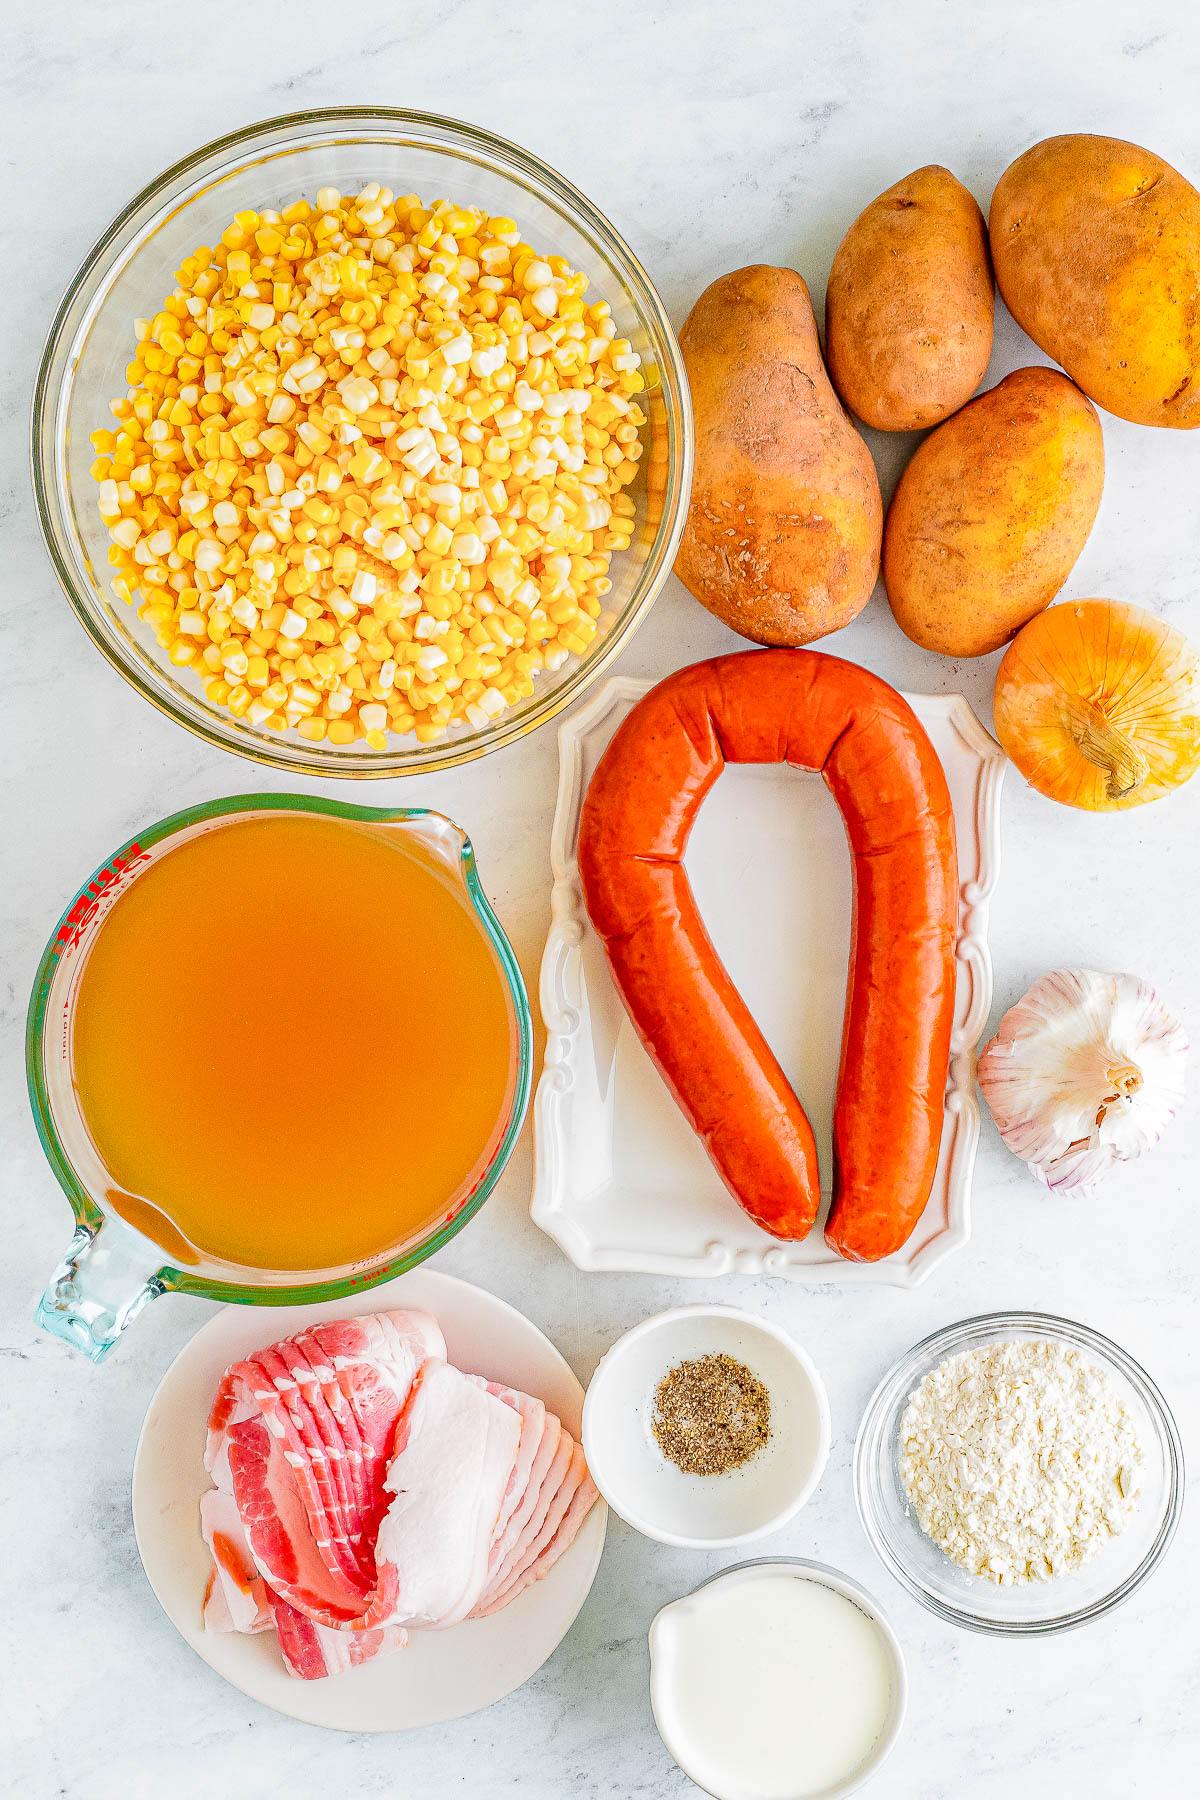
1084	1072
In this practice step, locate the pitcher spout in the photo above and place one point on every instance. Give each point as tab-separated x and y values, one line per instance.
100	1286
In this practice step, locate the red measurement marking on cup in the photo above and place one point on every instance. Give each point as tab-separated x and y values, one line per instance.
87	905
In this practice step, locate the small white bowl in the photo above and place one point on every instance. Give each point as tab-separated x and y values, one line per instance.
664	1638
704	1512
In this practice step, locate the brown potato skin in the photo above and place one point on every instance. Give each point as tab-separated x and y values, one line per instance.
990	515
910	304
783	531
1096	244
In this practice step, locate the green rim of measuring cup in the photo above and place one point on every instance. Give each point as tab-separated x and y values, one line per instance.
89	1216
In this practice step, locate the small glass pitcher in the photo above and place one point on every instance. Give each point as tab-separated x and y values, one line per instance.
111	1269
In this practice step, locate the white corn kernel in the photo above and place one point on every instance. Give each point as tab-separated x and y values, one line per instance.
467	548
358	393
487	362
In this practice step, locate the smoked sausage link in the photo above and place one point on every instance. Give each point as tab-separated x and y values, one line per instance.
817	712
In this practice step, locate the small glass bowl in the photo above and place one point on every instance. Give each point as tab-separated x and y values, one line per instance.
1036	1608
272	164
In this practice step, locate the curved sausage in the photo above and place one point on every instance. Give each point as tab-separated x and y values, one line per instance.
818	712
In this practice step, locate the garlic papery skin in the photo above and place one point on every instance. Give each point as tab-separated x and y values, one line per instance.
1086	1071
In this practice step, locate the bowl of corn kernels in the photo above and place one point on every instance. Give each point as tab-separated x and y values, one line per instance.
361	442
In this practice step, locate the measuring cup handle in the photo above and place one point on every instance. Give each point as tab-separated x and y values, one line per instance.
99	1287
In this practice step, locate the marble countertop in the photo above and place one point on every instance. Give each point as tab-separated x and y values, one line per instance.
714	134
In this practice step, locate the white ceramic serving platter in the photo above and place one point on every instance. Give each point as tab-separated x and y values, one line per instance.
621	1181
442	1674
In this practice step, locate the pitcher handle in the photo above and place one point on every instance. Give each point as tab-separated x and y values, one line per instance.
99	1287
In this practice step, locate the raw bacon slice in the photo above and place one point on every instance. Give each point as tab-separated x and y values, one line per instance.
311	1651
237	1598
556	1511
532	1416
533	1425
344	1420
287	1535
556	1475
585	1497
457	1444
266	1466
277	1364
509	1535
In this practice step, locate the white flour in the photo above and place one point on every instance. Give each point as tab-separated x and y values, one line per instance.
1020	1459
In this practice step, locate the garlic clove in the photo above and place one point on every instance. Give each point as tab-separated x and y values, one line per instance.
1085	1071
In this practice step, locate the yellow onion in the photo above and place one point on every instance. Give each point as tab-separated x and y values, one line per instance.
1098	705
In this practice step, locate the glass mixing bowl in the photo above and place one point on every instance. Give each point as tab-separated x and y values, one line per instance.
1036	1608
271	164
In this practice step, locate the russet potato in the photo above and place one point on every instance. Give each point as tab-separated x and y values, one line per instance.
910	302
992	512
1096	245
783	530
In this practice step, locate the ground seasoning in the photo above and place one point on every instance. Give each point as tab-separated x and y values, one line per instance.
711	1415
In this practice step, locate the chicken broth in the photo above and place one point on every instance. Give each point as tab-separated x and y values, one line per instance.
293	1044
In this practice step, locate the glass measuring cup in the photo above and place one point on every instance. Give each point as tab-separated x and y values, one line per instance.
111	1269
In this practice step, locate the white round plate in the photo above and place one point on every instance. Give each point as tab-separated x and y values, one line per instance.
442	1674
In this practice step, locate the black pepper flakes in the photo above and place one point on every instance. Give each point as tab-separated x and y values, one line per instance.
711	1415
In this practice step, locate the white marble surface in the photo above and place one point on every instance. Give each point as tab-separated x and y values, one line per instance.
714	134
